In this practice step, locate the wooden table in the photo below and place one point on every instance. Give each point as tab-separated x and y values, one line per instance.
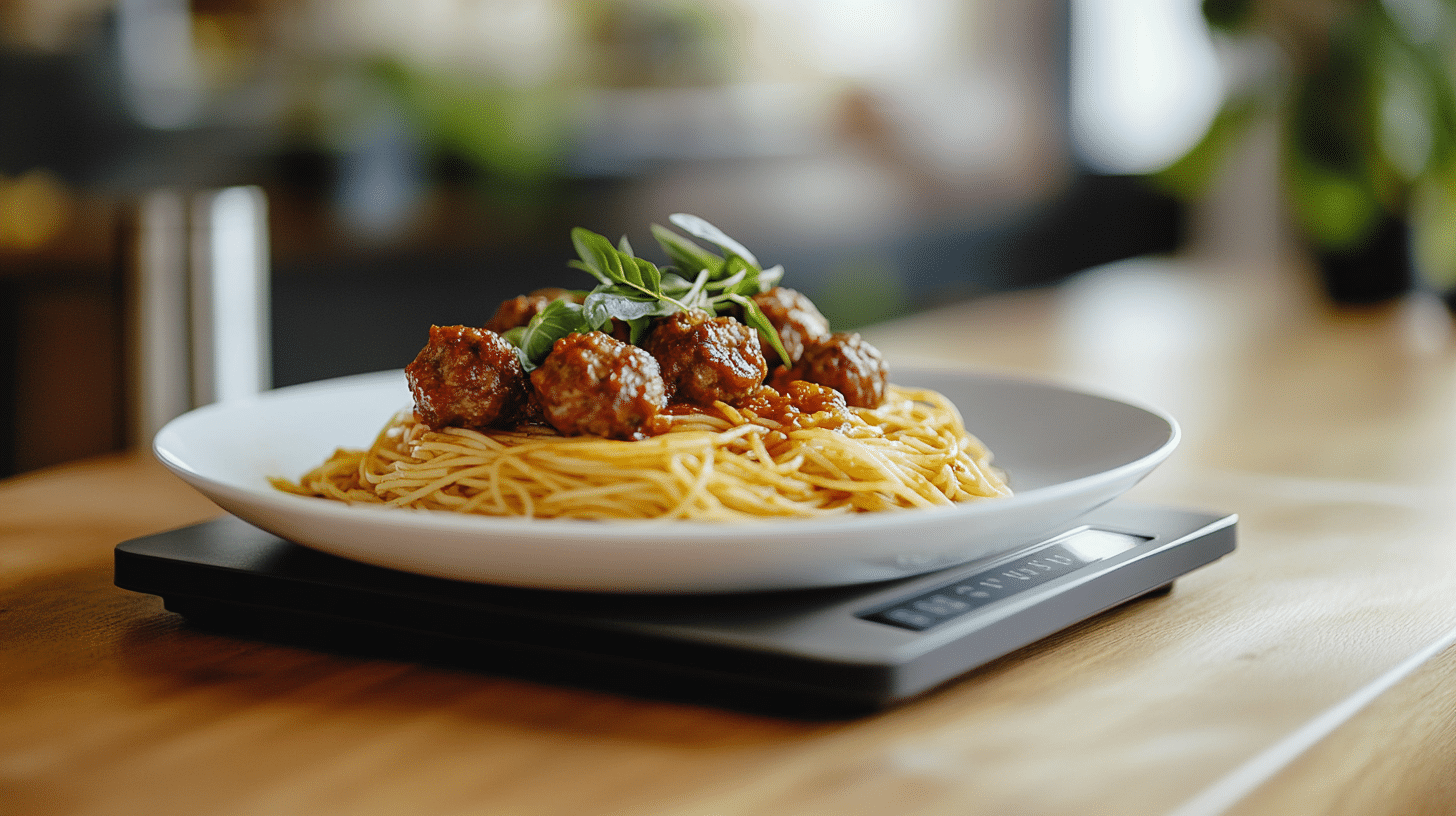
1307	673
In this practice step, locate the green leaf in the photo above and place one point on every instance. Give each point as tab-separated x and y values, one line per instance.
613	265
594	259
686	255
742	280
695	296
649	273
699	228
602	259
557	320
633	290
631	273
755	317
638	330
602	306
676	285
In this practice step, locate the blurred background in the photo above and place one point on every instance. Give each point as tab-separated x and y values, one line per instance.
359	169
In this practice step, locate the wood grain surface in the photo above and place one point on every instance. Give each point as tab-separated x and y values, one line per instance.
1331	433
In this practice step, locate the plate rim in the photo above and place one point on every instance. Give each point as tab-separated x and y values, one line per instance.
812	536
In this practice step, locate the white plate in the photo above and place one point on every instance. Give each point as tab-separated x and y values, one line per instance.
1065	452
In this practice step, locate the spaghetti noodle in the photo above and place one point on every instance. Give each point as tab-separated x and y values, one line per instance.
718	464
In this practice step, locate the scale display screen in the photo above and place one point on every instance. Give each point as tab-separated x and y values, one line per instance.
1061	556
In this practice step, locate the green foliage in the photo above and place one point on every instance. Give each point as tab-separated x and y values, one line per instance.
634	290
557	320
1367	111
1228	15
1433	210
1194	171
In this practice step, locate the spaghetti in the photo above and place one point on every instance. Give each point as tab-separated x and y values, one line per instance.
718	464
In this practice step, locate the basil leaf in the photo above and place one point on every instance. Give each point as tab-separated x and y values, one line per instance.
612	265
650	274
616	269
557	320
687	255
590	270
674	284
743	280
699	228
601	307
696	296
633	290
638	330
596	253
754	316
625	270
599	257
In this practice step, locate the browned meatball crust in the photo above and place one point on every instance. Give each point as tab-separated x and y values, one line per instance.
846	363
595	384
796	319
467	377
704	359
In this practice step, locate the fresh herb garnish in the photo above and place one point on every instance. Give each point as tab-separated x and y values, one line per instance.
557	320
634	290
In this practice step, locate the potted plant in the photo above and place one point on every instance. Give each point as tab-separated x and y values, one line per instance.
1363	95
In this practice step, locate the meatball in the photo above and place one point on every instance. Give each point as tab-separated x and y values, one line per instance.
813	398
519	310
787	402
466	377
796	319
704	359
846	363
595	384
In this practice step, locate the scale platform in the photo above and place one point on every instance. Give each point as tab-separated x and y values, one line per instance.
838	651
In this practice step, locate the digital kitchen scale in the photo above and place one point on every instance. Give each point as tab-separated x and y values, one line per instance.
829	651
